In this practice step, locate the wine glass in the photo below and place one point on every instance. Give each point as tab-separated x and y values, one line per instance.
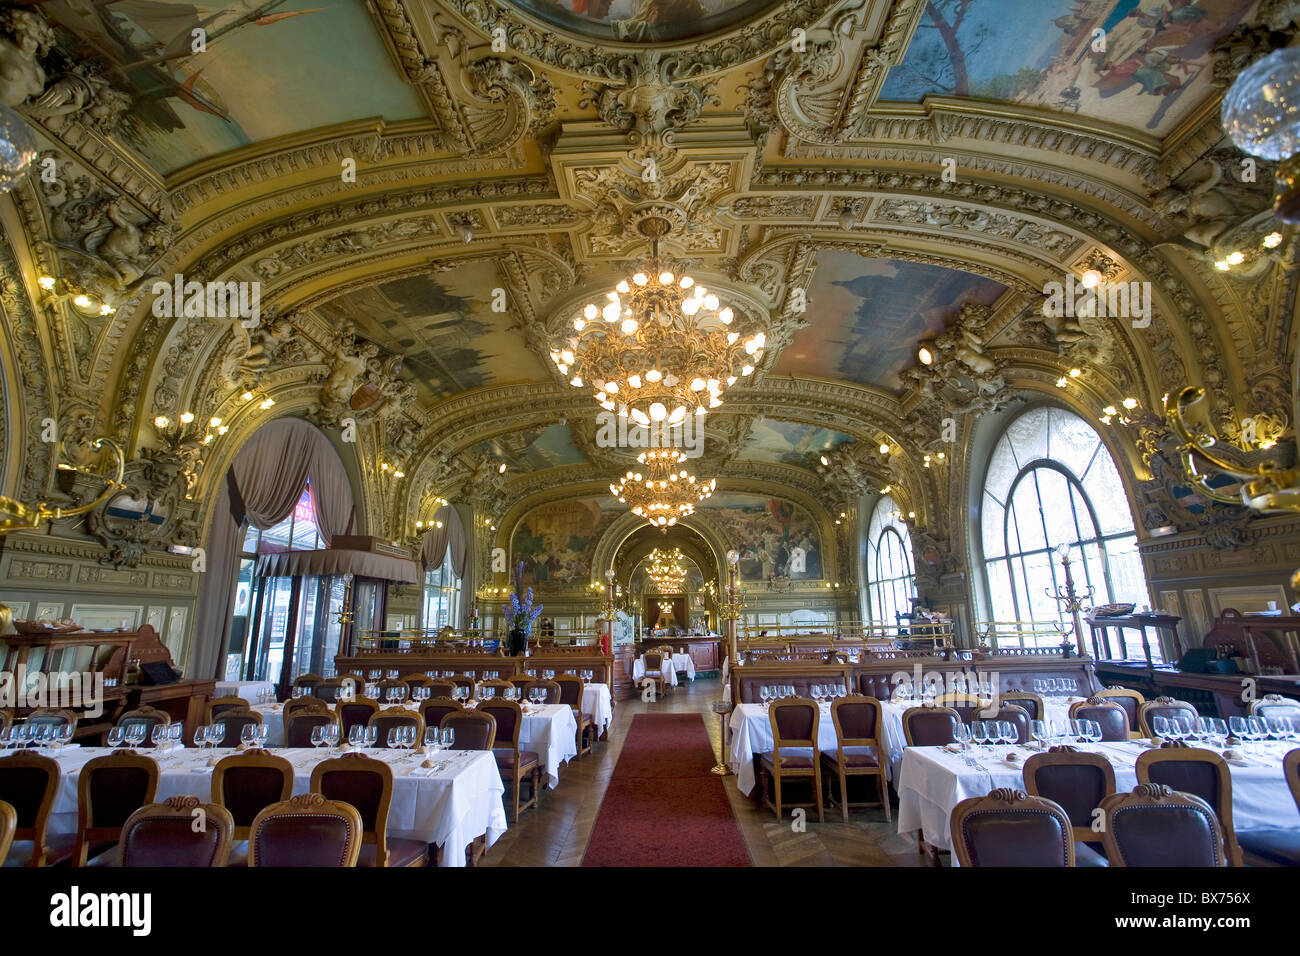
263	735
432	739
1239	727
371	738
200	736
448	737
1038	731
1007	732
357	735
394	735
332	733
961	734
1093	731
318	735
816	690
1160	727
979	733
1258	728
248	735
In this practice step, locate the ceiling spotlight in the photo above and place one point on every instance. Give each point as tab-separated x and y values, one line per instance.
884	448
1091	279
825	460
925	356
501	469
1273	240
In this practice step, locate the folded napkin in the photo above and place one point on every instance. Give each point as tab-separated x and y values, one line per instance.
952	748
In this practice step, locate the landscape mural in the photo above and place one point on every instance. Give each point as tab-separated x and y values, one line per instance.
533	449
776	538
1148	67
270	68
556	541
791	443
451	339
867	315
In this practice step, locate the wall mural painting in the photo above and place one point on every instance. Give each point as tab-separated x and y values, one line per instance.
262	74
644	21
791	443
866	316
775	538
556	541
445	328
533	449
1147	69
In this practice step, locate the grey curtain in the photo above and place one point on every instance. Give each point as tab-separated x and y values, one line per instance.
436	542
262	485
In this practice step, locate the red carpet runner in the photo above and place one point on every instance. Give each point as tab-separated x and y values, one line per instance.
663	807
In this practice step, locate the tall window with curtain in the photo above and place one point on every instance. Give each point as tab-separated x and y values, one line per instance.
442	595
889	564
1051	481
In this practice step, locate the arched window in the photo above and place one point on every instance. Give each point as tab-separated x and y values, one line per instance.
889	564
1051	481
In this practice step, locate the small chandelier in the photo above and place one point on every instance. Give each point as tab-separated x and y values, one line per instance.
665	492
667	569
661	346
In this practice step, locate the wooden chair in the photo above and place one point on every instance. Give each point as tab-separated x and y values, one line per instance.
859	750
386	720
441	688
1273	705
219	705
235	721
1026	699
514	764
308	682
794	723
434	709
334	689
164	834
298	726
418	680
653	661
306	830
246	783
1077	782
367	784
1111	717
1158	826
930	726
53	716
354	712
1277	846
1163	707
30	782
571	688
393	683
499	687
1203	774
295	704
1130	700
1011	828
460	680
474	730
8	825
109	790
151	717
552	689
524	682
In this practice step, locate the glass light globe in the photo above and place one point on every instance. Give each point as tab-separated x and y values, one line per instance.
17	148
1261	111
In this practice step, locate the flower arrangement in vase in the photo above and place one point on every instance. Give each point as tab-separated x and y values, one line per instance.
520	613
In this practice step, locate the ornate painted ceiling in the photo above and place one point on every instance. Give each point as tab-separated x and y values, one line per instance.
423	191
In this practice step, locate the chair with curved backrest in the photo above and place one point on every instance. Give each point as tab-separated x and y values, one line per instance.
1111	717
552	689
474	730
858	749
308	682
442	687
219	705
367	784
247	783
460	680
354	712
524	682
514	764
8	824
434	709
653	661
165	834
393	683
1130	700
1011	828
571	687
1275	705
53	716
386	720
1077	782
151	717
30	782
794	752
1278	846
294	704
1018	716
109	790
235	721
333	689
1162	707
1203	774
498	685
1158	826
298	726
418	680
1032	703
306	830
930	726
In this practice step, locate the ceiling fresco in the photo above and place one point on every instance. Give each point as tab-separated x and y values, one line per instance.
866	316
644	21
556	541
791	443
1152	69
775	537
533	449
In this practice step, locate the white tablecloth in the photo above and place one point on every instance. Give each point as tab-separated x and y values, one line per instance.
683	662
552	733
668	670
250	690
933	781
596	701
751	733
451	808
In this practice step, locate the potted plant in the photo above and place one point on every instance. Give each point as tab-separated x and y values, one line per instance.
520	614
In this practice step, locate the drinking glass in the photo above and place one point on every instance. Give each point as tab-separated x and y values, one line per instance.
1258	728
448	737
979	733
332	732
394	735
248	734
1007	732
7	737
318	735
1094	731
816	692
200	736
372	737
217	734
1240	729
1160	727
175	734
356	735
432	739
1038	731
962	735
158	735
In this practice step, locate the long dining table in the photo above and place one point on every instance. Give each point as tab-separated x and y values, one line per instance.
933	780
449	807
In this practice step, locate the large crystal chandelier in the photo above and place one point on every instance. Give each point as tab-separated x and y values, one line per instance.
667	569
660	346
1261	113
664	492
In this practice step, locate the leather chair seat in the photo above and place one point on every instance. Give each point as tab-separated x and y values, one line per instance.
855	758
400	853
1274	845
506	758
1085	855
792	758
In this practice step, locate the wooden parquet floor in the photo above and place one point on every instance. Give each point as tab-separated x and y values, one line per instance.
556	833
